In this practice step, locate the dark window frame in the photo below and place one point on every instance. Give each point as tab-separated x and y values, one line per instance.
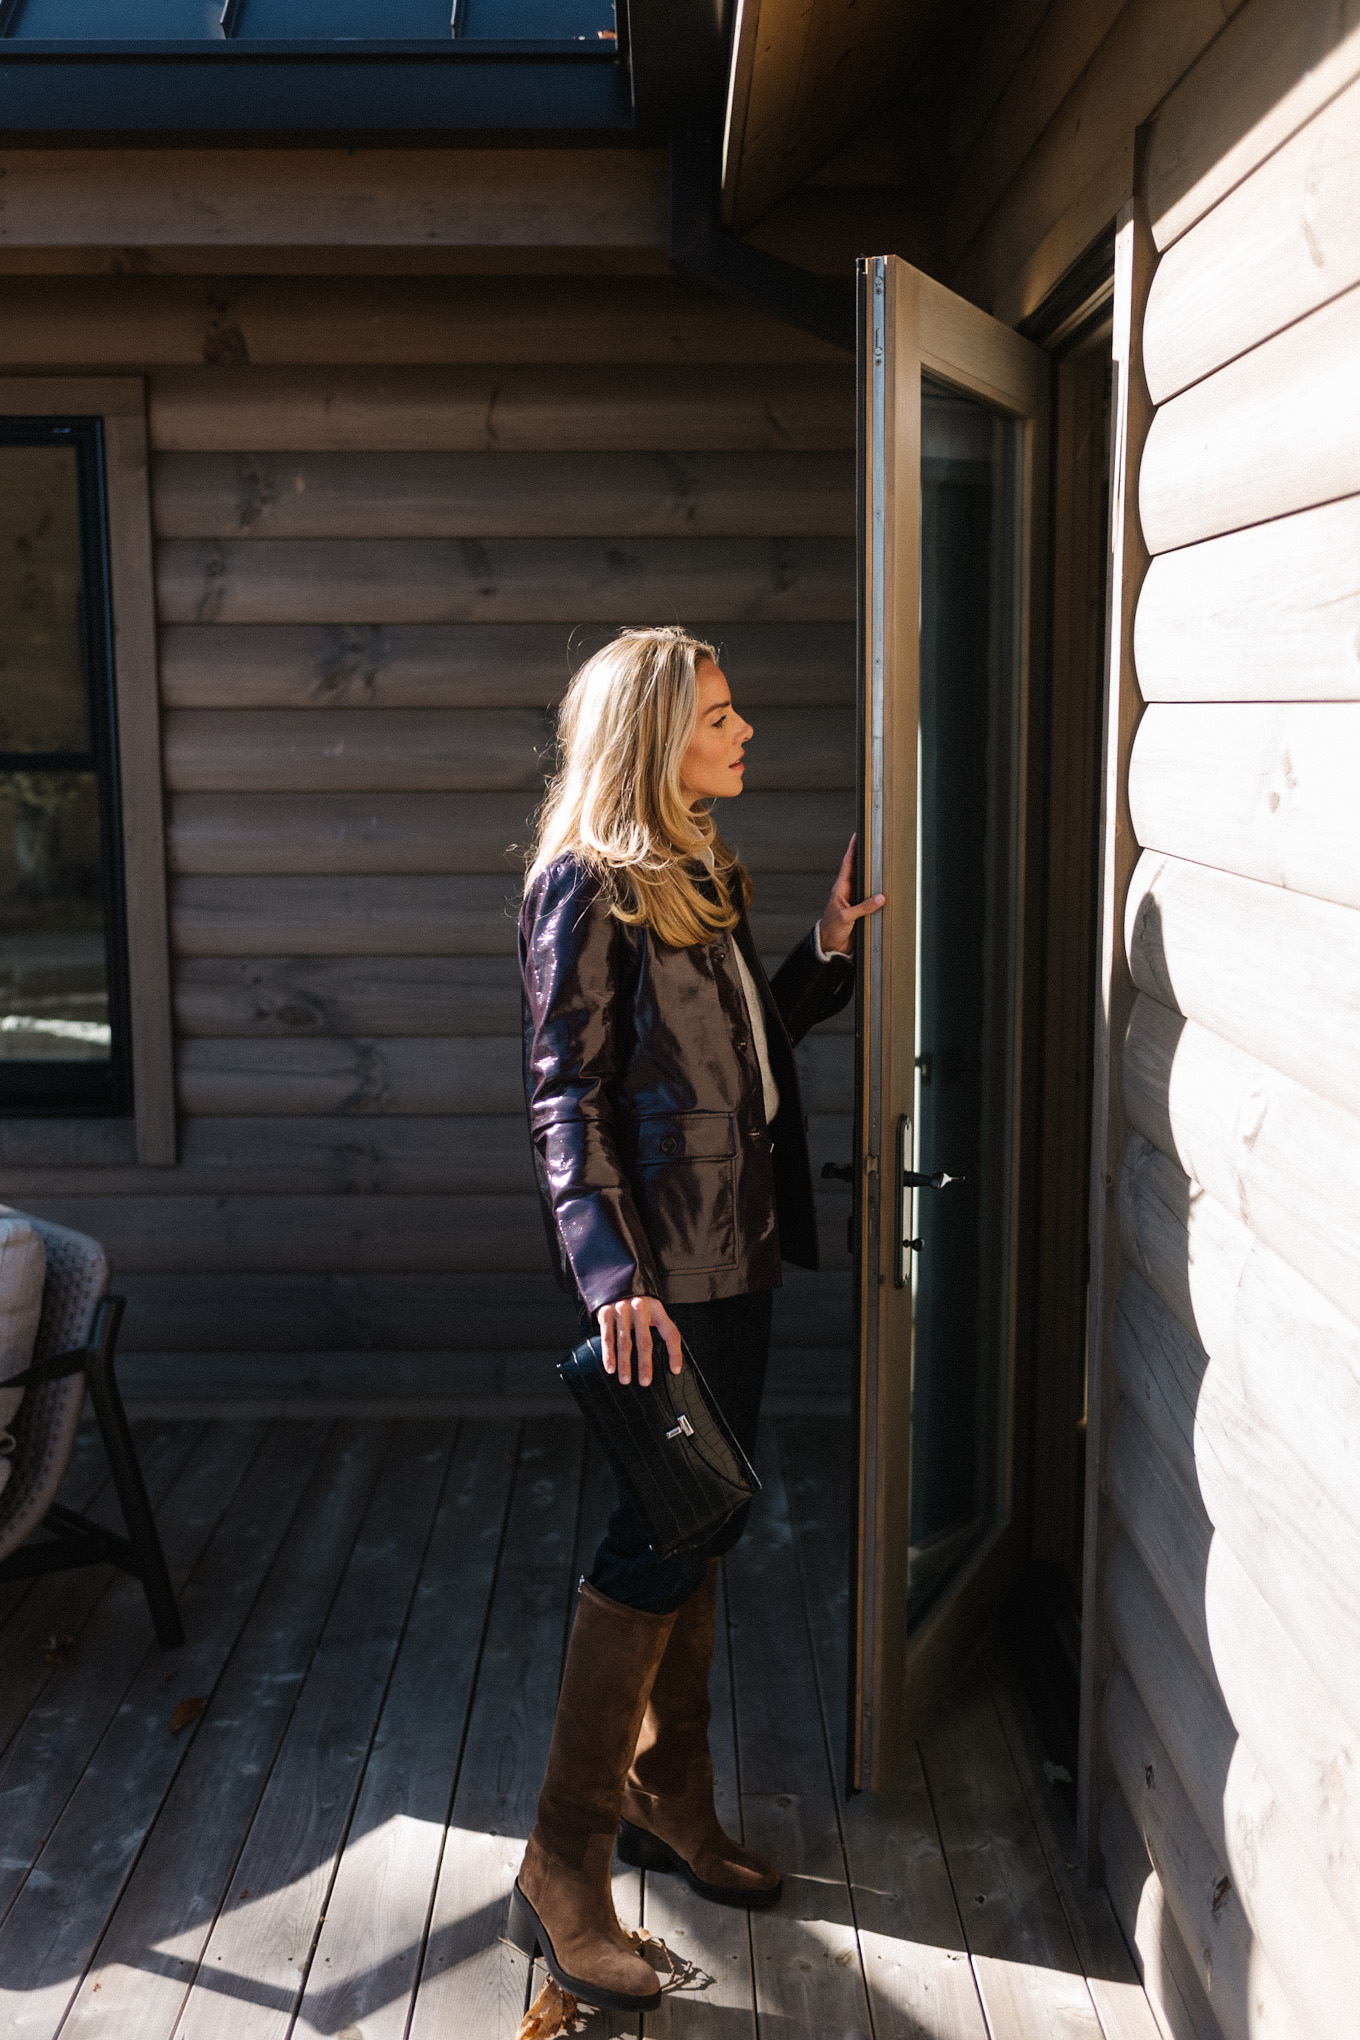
50	1086
148	1135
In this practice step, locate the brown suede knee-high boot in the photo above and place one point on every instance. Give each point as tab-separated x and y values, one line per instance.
562	1905
669	1820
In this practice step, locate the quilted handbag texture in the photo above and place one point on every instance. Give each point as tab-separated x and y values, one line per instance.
669	1444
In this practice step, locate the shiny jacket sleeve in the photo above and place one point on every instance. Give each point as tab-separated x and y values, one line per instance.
572	956
807	990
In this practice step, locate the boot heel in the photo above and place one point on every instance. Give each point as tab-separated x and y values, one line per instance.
642	1851
521	1926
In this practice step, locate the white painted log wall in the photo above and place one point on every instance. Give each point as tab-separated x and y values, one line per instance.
1233	1596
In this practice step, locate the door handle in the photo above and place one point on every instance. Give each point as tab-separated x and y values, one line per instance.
914	1180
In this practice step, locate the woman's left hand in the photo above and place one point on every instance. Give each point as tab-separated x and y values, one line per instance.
837	925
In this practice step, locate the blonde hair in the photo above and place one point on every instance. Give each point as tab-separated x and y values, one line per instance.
615	801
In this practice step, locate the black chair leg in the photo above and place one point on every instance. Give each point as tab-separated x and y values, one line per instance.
127	1474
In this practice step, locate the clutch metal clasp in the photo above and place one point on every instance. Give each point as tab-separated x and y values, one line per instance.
684	1429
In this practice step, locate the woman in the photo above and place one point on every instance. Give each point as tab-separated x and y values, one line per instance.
672	1161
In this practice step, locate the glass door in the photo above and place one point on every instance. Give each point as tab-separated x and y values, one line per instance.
953	412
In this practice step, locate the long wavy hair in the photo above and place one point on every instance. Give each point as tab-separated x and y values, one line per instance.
615	800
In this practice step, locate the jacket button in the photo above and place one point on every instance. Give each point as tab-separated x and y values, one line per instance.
670	1144
742	1042
719	954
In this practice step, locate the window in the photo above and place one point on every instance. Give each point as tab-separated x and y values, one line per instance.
582	25
86	1050
63	978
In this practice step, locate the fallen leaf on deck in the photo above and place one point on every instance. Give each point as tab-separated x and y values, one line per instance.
552	2012
187	1711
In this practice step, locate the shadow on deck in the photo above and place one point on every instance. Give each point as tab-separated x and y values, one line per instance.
306	1821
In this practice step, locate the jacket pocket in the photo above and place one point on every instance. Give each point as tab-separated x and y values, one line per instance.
684	1166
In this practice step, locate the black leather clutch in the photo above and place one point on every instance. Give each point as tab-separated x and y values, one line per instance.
669	1444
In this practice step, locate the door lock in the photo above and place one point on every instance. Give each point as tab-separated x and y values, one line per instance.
909	1179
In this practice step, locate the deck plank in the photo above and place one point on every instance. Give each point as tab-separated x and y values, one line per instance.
58	1918
88	1702
363	1975
256	1959
86	1477
154	1942
915	1956
471	1982
807	1964
61	1604
715	1939
1119	1998
1028	1973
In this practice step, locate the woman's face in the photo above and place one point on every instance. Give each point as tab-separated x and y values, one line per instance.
711	767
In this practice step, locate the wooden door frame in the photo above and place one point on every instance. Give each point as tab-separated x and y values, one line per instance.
966	349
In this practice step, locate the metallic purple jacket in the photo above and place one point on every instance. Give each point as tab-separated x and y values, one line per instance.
657	1171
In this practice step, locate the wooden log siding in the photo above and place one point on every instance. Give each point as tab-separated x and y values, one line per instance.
1232	1718
375	575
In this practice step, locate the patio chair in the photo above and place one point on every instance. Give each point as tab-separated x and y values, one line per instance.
73	1353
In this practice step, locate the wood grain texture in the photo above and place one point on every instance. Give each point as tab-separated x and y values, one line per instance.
436	833
1111	1974
421	1155
48	1940
504	495
472	665
1283	1158
302	1233
1275	431
1283	243
1150	45
1301	1548
1164	1963
476	916
1064	40
788	1800
1290	1723
338	1076
395	750
527	409
471	1981
1265	791
315	197
1028	1974
134	654
292	998
1252	1304
1183	1702
912	1944
1161	1514
345	916
139	320
1247	1999
508	580
176	1888
1275	64
1131	410
1266	614
290	1852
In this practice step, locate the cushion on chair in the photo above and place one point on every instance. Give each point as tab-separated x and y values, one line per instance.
49	1416
23	1267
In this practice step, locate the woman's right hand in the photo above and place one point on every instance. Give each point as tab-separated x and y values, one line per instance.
630	1321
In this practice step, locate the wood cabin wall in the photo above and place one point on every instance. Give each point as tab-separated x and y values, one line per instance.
390	511
1222	1614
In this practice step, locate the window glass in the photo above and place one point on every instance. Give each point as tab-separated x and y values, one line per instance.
537	20
118	20
62	1031
372	20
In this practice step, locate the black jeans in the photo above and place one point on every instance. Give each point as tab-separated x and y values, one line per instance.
730	1341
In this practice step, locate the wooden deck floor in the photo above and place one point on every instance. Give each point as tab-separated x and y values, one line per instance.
376	1615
